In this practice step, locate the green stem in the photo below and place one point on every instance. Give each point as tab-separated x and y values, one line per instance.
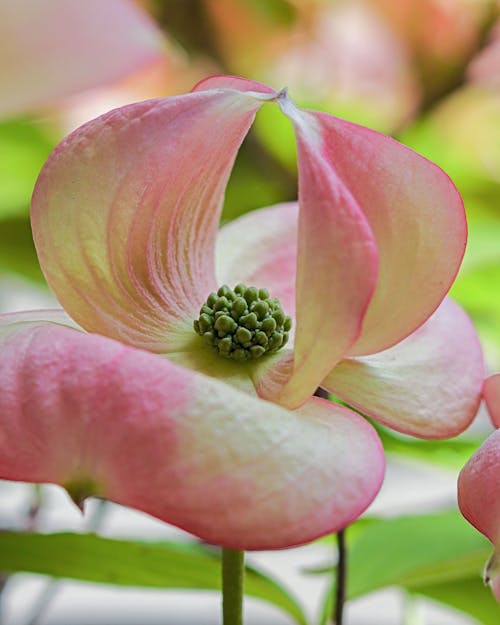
341	578
233	569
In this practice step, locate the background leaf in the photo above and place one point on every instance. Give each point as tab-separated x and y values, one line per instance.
164	565
438	555
468	595
24	147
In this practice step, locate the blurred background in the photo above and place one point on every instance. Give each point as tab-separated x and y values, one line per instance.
424	71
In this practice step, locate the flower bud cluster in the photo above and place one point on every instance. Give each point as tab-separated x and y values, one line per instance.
243	323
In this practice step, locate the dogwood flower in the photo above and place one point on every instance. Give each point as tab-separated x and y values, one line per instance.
123	399
52	49
479	486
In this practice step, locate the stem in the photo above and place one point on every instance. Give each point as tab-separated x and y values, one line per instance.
233	569
341	578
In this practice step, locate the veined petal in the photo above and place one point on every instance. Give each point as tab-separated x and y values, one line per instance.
260	249
428	385
479	499
102	418
337	263
414	210
491	394
46	53
125	214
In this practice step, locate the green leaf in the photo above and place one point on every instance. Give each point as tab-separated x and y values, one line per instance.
24	147
468	595
415	551
165	565
17	251
437	555
452	453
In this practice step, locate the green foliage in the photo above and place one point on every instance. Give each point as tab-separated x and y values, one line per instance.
24	147
439	556
17	251
453	453
258	179
275	11
164	565
468	595
415	551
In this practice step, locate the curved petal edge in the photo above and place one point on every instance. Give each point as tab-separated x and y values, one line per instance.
105	419
428	385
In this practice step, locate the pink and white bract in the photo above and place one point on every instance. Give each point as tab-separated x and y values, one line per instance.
121	399
479	486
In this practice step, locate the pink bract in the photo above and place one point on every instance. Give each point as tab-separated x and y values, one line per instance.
124	397
479	500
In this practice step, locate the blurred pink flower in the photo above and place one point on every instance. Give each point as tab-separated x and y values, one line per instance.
54	48
492	396
125	217
484	69
479	487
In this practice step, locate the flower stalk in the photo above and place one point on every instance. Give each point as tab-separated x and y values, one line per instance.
233	573
340	586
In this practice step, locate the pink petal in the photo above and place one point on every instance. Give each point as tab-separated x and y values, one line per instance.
417	218
429	385
491	394
54	48
260	249
80	409
234	82
126	210
336	251
479	499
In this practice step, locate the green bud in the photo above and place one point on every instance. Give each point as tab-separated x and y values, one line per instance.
268	325
225	344
261	309
256	351
261	338
251	294
222	303
205	322
279	316
243	335
224	325
239	307
211	299
276	340
249	321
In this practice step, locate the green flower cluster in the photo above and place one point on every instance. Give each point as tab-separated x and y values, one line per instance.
243	323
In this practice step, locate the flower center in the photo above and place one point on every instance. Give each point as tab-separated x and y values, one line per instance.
243	323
